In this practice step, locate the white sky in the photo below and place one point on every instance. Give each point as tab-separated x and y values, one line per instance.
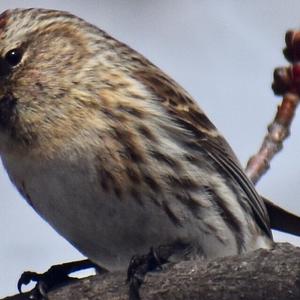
223	53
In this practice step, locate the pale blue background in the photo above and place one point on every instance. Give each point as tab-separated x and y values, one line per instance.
223	53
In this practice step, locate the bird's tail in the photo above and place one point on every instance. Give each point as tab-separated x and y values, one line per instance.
281	219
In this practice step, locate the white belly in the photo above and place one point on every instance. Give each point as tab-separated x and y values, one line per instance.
107	229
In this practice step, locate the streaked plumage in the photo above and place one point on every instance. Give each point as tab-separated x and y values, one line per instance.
114	154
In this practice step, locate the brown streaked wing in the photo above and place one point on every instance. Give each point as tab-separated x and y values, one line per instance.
187	113
255	201
179	103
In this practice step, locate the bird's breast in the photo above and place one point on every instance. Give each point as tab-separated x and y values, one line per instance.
105	227
110	225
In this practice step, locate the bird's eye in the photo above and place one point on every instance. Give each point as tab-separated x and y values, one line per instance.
13	57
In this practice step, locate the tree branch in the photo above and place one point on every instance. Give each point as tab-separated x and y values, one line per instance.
262	274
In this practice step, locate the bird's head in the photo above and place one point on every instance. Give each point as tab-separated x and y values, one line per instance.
51	72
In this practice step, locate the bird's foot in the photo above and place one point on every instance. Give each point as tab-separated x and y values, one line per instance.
140	265
56	276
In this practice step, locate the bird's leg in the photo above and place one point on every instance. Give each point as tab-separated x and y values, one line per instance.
57	275
140	265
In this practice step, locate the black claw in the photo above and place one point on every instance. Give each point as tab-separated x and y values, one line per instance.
26	278
158	261
140	265
44	282
56	276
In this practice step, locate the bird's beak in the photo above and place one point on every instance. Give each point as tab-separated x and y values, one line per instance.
5	68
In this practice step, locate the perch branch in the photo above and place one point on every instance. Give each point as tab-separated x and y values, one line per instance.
262	274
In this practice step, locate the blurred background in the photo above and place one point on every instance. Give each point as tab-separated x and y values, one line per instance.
223	53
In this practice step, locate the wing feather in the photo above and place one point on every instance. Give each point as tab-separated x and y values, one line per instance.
205	137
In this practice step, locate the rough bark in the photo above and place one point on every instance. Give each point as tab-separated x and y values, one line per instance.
260	275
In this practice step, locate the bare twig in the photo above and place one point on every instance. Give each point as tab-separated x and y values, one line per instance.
278	131
286	83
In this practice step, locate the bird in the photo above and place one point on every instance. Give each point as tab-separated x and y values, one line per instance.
114	154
